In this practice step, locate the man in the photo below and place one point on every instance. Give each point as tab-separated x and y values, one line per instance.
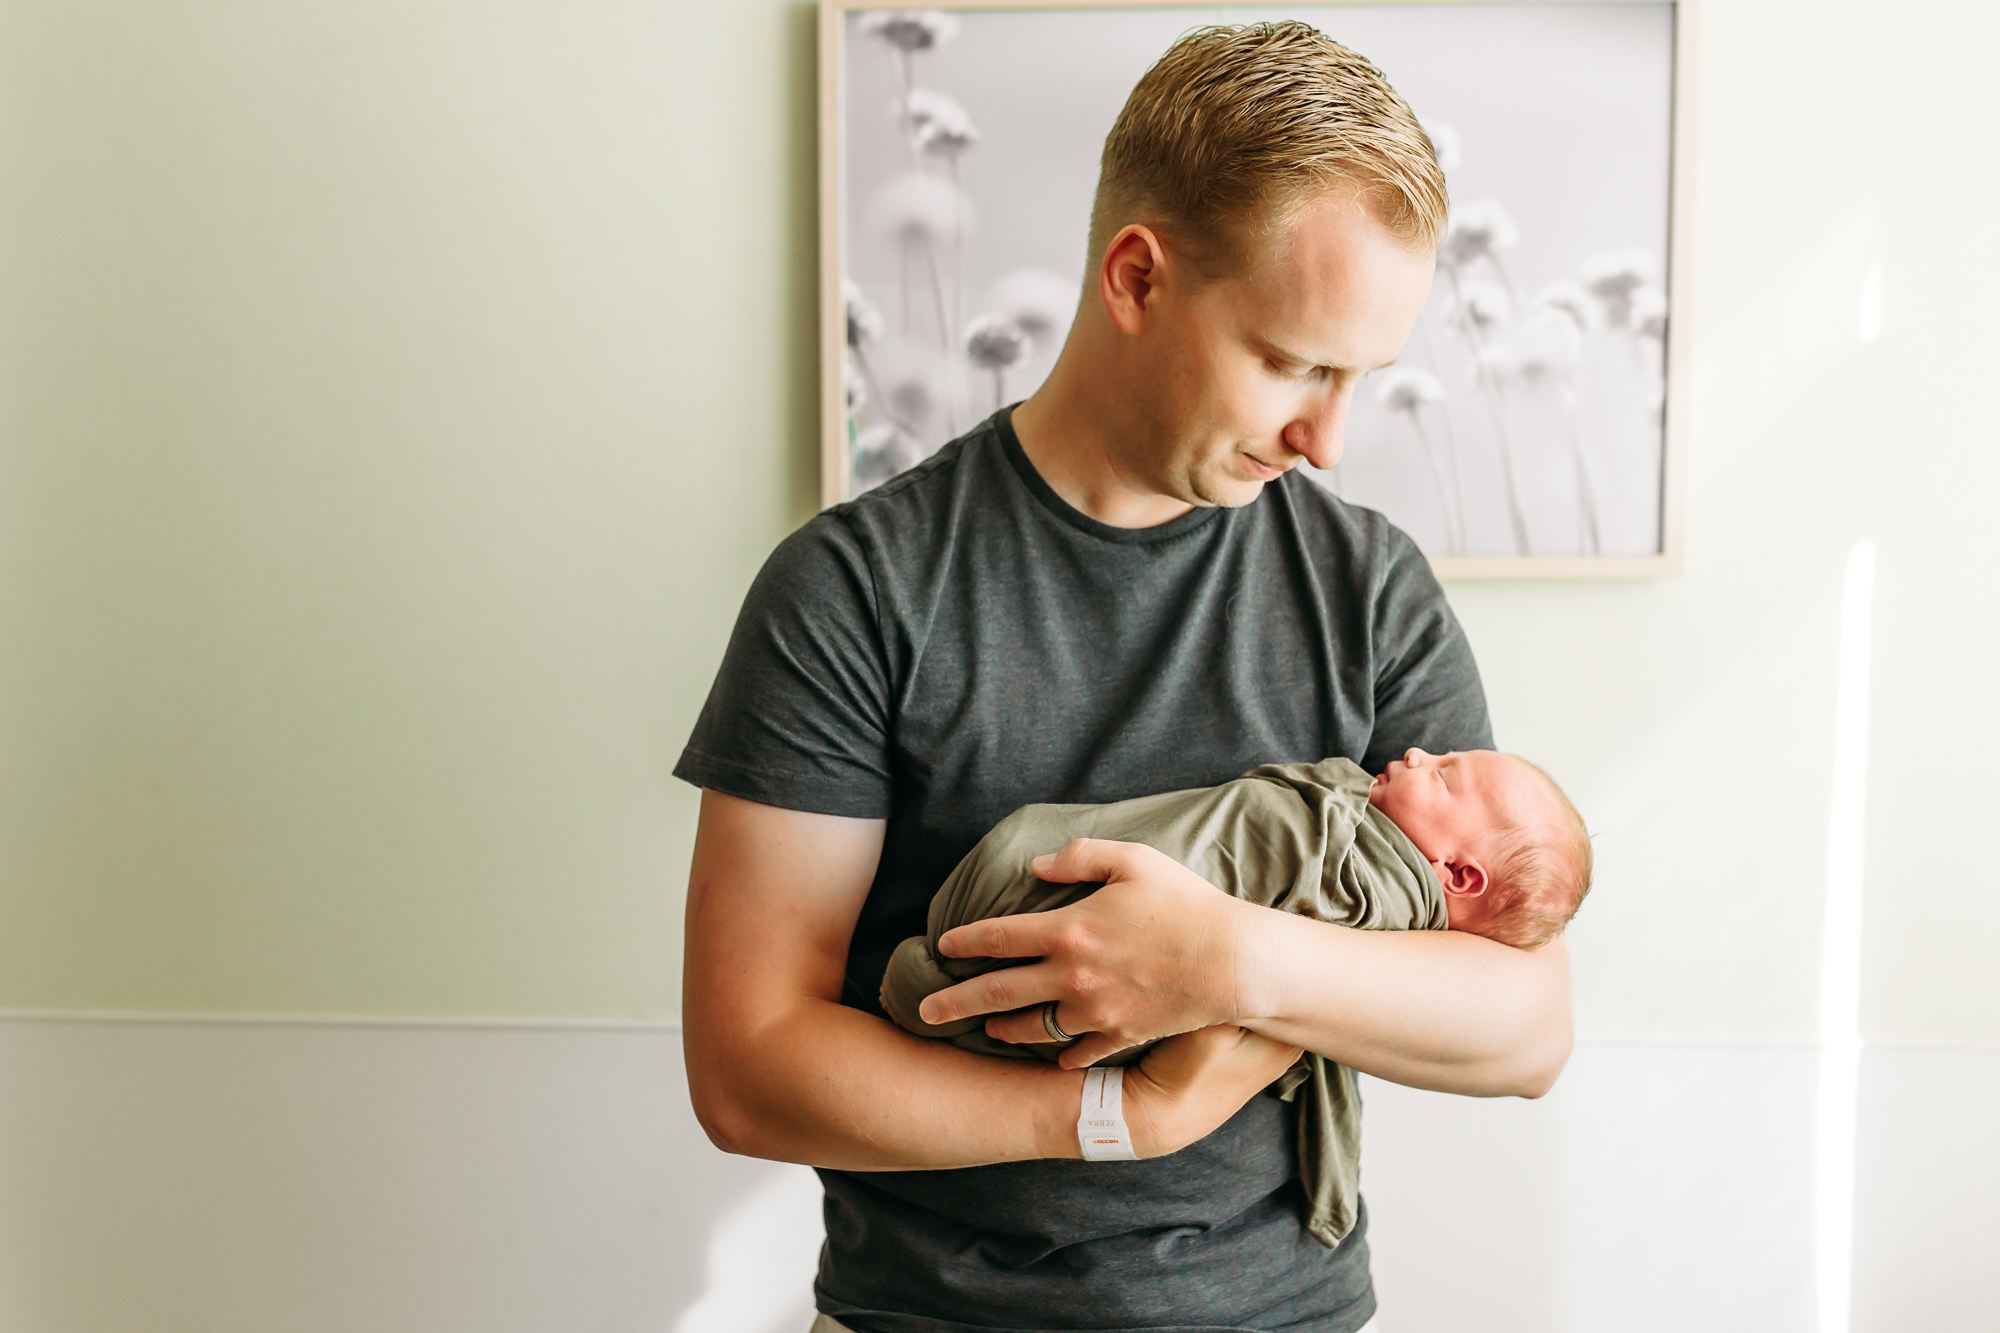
1120	587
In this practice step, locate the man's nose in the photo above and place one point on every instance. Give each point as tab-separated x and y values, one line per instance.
1318	433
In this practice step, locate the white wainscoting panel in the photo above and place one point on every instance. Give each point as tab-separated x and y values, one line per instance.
164	1177
1927	1182
1659	1187
226	1177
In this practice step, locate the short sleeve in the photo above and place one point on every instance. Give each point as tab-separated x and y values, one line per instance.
1427	688
798	715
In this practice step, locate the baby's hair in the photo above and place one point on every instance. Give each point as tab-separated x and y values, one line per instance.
1541	873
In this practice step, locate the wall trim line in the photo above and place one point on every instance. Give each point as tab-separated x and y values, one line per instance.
532	1024
450	1021
1888	1045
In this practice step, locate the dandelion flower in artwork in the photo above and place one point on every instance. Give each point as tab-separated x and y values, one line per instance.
1446	146
1649	312
947	140
864	321
913	397
910	382
1612	278
1482	307
1480	230
925	106
938	123
1569	298
918	207
1546	345
1408	389
911	30
1496	364
1649	325
996	342
1041	302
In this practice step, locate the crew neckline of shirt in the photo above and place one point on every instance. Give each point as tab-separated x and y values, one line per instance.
1010	444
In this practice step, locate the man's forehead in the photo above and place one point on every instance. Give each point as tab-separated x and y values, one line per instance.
1336	289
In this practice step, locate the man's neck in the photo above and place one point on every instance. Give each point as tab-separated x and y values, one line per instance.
1079	439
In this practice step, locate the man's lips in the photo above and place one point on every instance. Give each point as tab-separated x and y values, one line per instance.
1263	471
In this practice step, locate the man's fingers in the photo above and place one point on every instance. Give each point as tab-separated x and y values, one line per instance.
991	993
1085	860
1024	1027
1024	936
1089	1050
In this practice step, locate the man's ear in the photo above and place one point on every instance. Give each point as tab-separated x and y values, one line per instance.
1130	275
1462	877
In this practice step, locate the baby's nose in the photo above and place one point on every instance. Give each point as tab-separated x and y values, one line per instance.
1413	756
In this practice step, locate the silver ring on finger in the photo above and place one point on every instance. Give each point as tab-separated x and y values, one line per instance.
1049	1024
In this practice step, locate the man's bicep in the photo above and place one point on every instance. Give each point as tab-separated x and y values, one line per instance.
772	901
799	715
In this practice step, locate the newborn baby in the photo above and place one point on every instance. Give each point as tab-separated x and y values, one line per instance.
1508	849
1475	841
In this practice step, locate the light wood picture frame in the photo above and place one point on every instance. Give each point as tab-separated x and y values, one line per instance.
1534	427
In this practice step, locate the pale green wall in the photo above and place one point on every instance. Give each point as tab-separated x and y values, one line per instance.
399	396
397	399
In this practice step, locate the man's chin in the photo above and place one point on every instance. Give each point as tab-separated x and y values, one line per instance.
1226	492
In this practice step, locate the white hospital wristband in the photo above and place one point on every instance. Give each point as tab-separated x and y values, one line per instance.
1100	1130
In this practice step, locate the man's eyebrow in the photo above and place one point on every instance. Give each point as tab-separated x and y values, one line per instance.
1298	359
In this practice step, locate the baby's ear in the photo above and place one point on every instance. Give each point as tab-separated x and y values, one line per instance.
1462	877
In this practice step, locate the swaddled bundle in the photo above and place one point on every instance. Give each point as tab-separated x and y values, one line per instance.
1298	837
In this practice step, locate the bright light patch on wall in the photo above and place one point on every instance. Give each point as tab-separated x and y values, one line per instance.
1840	956
1871	303
762	1255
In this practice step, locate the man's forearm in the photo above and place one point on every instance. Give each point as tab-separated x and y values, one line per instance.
832	1086
1443	1010
1158	949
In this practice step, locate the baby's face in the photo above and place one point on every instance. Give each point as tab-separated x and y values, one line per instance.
1450	805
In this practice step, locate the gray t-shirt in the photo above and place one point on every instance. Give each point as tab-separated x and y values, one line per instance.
960	642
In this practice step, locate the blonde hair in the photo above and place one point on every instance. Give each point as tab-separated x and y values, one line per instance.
1235	129
1540	875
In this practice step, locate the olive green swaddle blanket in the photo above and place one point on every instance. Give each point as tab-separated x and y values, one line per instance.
1298	837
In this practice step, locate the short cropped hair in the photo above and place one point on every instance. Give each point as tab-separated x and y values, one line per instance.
1540	874
1235	129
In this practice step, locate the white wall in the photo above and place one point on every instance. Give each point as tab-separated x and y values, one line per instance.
244	1177
1693	719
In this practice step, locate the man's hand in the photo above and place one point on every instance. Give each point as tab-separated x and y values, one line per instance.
1156	951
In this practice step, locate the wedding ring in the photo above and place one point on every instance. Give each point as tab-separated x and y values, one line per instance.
1049	1024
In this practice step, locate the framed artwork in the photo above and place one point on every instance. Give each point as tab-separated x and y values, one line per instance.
1531	426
